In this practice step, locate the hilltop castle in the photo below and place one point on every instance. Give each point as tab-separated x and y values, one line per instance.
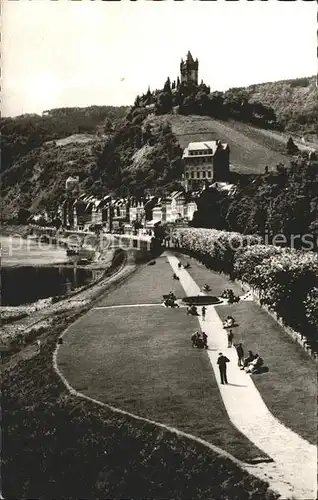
189	69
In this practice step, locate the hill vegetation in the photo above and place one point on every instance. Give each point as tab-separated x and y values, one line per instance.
128	154
23	133
188	99
251	148
282	203
295	103
290	105
131	159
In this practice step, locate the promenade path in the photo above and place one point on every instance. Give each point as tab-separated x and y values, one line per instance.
295	460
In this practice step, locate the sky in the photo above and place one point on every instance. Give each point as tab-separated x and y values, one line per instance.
81	53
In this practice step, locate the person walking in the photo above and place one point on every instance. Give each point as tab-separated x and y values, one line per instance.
240	354
203	312
230	338
222	360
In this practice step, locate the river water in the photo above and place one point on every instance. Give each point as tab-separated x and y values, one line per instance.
26	274
17	251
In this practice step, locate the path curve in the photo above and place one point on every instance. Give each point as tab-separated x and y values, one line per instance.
295	460
174	430
256	470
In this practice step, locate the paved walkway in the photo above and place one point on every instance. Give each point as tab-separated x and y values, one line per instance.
295	460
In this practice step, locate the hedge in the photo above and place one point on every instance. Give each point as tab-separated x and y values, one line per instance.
286	279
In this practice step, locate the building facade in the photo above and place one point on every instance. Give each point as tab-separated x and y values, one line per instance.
72	184
204	163
189	69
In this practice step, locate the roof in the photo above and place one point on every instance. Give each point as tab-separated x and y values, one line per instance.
205	146
222	186
189	57
176	194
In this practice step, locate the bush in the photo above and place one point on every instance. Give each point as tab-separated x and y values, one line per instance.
216	249
287	279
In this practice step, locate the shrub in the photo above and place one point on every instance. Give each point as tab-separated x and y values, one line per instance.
311	307
286	279
247	259
216	249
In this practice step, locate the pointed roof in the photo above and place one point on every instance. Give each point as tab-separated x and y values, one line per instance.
189	57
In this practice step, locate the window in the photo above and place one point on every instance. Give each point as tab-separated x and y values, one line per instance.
187	175
192	175
209	173
198	175
203	174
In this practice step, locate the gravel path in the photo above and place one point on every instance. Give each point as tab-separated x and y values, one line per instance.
294	469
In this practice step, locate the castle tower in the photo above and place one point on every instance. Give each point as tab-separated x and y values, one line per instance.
189	69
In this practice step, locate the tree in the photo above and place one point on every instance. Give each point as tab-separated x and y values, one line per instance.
23	215
167	86
217	108
202	103
163	103
291	147
57	222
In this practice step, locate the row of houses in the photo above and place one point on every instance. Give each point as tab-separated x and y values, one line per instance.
204	162
113	214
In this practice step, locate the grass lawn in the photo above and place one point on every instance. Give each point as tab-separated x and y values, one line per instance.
147	285
57	445
201	275
141	360
289	389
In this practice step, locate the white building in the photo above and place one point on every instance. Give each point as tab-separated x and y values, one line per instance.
205	162
72	183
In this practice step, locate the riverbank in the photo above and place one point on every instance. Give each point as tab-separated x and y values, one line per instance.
22	324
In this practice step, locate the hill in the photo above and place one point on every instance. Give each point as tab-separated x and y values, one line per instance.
251	148
295	103
126	156
21	134
36	180
129	160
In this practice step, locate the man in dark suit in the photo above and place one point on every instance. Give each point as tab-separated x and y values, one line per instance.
222	360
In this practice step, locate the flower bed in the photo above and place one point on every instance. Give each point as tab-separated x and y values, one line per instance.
285	279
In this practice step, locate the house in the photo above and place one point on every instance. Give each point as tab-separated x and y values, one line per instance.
90	211
136	210
205	162
65	211
172	208
178	206
224	187
82	212
141	209
191	207
72	183
156	215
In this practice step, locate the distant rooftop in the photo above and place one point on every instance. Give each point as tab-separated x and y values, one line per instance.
205	146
